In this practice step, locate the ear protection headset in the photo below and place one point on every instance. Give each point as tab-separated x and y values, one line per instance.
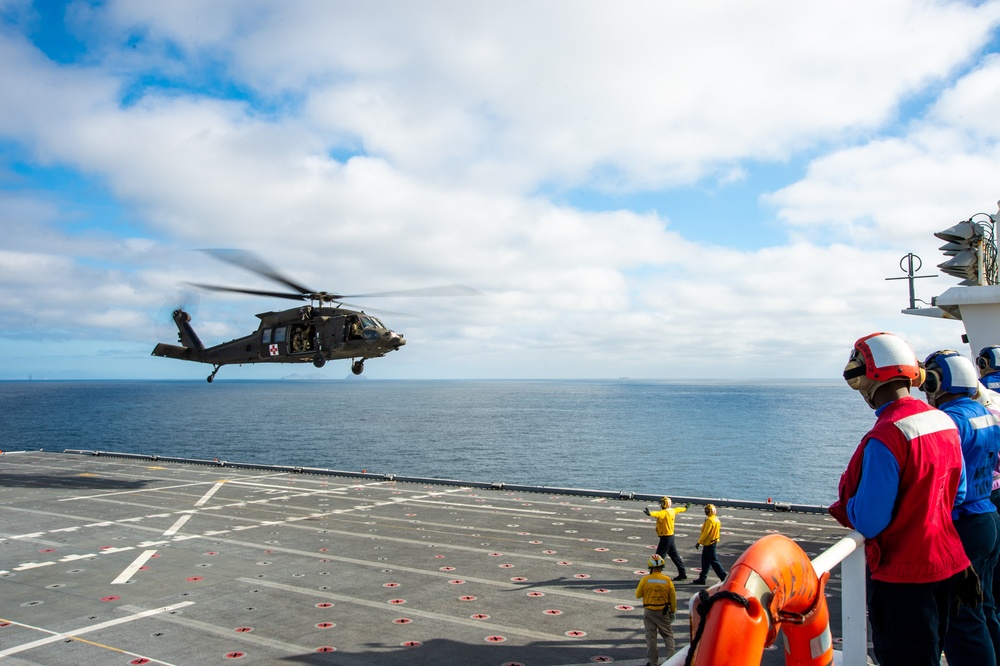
855	370
932	381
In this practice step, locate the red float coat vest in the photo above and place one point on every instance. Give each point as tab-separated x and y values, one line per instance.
920	544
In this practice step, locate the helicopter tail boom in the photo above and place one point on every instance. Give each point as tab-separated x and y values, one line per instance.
187	335
192	348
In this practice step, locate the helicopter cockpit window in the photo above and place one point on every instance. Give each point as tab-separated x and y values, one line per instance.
369	322
354	328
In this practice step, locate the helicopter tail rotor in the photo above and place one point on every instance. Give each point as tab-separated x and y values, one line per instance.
186	300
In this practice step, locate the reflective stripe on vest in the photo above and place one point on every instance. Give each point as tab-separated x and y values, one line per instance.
650	581
924	423
984	421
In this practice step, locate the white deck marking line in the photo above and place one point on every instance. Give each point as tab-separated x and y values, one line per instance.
177	525
32	565
132	492
339	490
187	513
583	596
253	639
124	576
410	610
492	507
55	638
207	496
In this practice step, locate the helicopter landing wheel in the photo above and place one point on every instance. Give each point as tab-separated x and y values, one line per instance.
214	372
358	367
319	361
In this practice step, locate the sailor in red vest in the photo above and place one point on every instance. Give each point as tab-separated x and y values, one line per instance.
951	382
898	491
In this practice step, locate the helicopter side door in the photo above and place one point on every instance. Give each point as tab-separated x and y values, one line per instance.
274	341
302	338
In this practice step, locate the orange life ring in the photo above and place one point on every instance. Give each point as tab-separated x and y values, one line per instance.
772	586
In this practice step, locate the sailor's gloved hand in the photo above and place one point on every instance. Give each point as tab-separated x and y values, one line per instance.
646	511
687	505
697	546
968	591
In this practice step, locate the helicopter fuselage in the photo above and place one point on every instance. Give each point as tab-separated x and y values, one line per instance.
307	334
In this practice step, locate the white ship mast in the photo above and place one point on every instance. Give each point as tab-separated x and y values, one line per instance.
971	246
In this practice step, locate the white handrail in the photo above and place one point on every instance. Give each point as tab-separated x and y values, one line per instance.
849	553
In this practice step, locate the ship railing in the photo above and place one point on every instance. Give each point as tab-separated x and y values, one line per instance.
849	553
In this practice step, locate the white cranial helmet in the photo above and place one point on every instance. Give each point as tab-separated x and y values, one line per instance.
877	359
947	371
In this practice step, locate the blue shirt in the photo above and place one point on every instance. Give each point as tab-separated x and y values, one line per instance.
991	380
979	430
871	508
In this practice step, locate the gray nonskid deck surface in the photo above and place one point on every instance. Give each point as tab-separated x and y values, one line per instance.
119	561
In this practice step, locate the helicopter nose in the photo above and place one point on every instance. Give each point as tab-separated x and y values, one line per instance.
398	339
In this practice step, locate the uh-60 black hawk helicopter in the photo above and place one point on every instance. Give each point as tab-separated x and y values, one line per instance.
324	330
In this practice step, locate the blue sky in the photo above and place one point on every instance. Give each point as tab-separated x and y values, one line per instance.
718	191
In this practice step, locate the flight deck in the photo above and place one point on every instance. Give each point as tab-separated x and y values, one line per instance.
139	560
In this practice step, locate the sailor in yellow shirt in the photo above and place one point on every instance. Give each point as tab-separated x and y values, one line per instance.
665	530
710	531
659	602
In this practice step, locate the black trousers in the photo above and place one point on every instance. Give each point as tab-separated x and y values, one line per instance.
667	548
909	621
710	560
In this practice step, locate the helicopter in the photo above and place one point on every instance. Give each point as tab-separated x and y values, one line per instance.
324	329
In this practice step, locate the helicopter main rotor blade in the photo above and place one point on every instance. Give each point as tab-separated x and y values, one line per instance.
254	264
375	311
253	292
443	290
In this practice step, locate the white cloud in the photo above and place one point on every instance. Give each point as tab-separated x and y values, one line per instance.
897	191
636	95
466	113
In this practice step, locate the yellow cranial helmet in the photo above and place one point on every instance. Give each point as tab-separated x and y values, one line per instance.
709	509
655	561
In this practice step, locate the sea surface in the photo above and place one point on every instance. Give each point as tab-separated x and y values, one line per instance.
785	440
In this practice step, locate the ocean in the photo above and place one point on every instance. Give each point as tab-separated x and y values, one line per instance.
785	440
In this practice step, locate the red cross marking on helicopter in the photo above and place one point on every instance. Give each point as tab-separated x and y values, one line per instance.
273	350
